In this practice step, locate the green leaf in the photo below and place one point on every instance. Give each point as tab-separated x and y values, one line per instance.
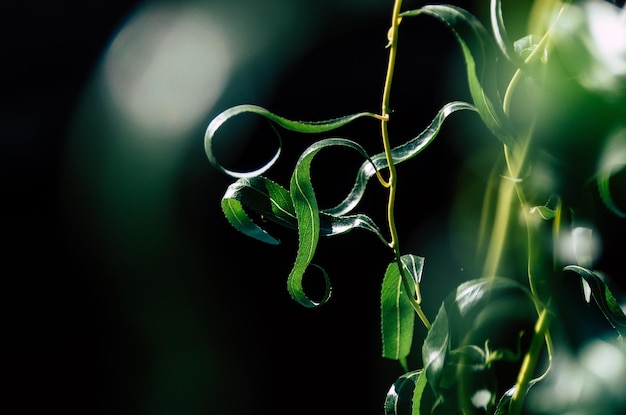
504	404
547	211
262	196
298	126
236	215
612	161
603	297
405	395
397	314
480	58
308	216
499	31
273	203
399	154
435	350
479	313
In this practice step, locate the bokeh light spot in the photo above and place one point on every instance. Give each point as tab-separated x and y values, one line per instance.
166	68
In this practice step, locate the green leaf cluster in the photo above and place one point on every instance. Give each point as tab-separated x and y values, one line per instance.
483	348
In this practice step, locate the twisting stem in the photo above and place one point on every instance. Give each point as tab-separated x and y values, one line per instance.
392	180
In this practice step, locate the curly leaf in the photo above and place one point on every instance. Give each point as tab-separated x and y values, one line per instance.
406	394
331	225
479	53
236	215
273	203
308	216
401	153
264	197
549	210
612	161
298	126
499	30
603	297
397	316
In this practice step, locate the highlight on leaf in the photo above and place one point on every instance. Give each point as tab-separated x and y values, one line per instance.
399	154
397	316
308	214
404	397
481	60
594	283
297	126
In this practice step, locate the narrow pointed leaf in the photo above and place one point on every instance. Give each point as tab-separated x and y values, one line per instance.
273	203
435	350
480	57
397	315
263	196
308	216
298	126
331	225
239	219
612	161
405	395
603	297
400	153
500	34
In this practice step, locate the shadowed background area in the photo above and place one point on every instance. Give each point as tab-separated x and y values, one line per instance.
127	292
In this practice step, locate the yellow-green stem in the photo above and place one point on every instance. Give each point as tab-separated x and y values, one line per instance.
391	183
530	361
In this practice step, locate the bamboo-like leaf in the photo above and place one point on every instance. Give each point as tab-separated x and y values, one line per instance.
236	215
399	154
405	395
499	32
298	126
262	196
480	57
397	316
331	225
308	216
603	297
273	203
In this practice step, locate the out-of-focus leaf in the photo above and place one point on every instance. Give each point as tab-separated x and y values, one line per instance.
298	126
397	315
499	31
308	216
504	404
262	196
612	161
477	386
435	350
603	297
405	395
399	154
478	313
547	211
589	39
480	58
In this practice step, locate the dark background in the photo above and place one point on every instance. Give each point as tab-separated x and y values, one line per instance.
127	292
